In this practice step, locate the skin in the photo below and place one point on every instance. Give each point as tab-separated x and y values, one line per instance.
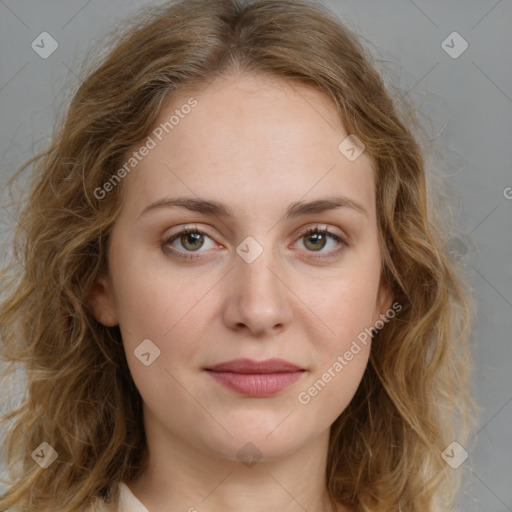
256	144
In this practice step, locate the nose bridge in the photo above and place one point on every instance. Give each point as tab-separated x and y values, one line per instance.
259	298
254	267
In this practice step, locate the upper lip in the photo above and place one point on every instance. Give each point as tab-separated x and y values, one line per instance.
250	366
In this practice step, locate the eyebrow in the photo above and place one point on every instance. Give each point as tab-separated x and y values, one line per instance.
297	209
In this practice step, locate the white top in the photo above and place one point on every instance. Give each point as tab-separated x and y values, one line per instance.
127	500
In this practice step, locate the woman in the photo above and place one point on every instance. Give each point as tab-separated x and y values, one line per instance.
235	294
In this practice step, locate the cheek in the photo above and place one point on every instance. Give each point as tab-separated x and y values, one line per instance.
154	305
329	392
151	296
343	305
342	350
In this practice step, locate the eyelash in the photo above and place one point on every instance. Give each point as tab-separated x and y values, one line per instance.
310	231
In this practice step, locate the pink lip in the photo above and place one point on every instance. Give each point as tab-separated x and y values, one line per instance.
256	378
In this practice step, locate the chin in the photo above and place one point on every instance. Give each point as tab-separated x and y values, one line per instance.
263	440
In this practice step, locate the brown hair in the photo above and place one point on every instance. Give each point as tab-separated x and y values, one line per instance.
385	448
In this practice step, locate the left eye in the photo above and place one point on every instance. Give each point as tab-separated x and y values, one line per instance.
317	238
192	239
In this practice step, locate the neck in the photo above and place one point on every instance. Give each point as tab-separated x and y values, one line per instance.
183	478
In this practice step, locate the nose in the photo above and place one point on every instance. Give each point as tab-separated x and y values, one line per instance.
257	297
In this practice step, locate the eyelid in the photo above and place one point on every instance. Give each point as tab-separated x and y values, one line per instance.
321	227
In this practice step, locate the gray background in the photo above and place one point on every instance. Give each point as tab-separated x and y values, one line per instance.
467	103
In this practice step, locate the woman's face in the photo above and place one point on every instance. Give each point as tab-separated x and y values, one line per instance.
253	286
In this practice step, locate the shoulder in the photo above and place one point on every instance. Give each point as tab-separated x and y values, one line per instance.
128	502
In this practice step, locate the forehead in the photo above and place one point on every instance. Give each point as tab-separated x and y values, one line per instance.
249	139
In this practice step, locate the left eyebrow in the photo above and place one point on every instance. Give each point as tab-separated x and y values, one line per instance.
297	209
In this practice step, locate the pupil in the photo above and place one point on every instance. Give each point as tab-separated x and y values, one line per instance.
319	238
194	238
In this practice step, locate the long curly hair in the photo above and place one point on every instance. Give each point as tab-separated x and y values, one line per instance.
385	451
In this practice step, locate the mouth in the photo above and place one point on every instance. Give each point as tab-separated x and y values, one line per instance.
256	378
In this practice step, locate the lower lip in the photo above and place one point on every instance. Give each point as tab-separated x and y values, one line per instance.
256	384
